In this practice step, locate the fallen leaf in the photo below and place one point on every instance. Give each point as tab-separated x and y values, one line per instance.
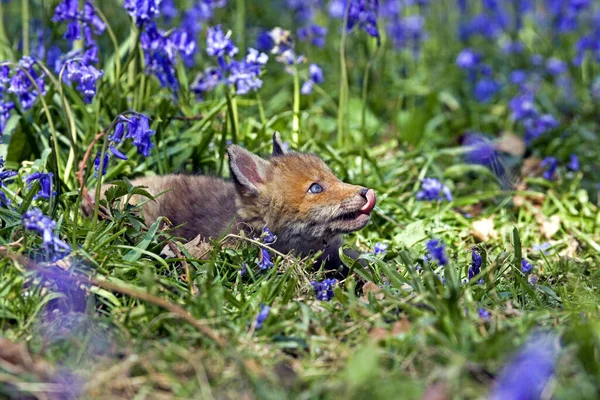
377	333
373	288
483	229
511	144
548	226
197	248
401	326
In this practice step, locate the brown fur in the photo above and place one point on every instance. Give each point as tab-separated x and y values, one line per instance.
271	193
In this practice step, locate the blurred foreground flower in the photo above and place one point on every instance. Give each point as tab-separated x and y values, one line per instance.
35	220
432	189
262	316
324	290
528	372
437	250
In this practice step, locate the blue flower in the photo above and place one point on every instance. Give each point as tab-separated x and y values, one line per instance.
436	249
219	44
556	66
527	373
82	23
360	12
324	290
408	32
45	180
537	126
159	55
206	81
483	313
5	175
485	89
22	86
316	76
97	163
268	236
526	266
35	220
244	75
303	9
314	33
139	130
522	106
518	77
142	11
262	316
85	76
468	59
476	261
380	248
432	189
264	260
573	164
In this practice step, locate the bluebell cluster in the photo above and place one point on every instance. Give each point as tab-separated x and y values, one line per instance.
437	250
433	190
324	289
35	220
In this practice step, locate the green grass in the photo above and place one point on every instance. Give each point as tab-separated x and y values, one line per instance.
129	323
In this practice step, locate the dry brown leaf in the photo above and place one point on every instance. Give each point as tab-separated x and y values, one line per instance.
483	229
548	226
511	144
197	247
401	326
372	287
377	333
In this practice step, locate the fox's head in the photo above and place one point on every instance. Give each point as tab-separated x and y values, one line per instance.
297	197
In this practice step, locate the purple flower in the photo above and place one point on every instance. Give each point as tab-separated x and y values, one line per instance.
550	163
522	106
268	236
556	66
316	76
360	12
468	59
380	248
483	313
206	81
82	23
528	371
408	32
264	260
518	77
526	266
573	164
142	11
262	316
5	175
45	180
97	163
476	261
139	130
324	290
35	220
84	76
219	44
313	33
244	75
432	189
485	89
303	9
537	126
436	249
22	86
159	55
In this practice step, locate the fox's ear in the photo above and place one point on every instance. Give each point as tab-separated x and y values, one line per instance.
278	147
249	171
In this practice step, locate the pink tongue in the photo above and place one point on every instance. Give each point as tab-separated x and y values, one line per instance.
370	204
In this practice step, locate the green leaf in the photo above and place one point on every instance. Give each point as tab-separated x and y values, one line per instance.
134	255
411	235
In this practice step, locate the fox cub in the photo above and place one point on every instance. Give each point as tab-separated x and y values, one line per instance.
294	194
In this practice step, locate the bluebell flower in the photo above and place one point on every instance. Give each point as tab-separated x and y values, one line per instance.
97	163
380	248
485	89
360	12
573	164
313	33
84	76
518	77
206	82
5	112
483	313
244	75
476	261
436	249
139	130
262	316
468	59
537	126
303	10
168	10
512	47
337	8
264	260
45	180
5	175
82	23
159	55
523	106
142	11
22	86
432	189
316	76
526	266
35	220
482	150
527	373
408	33
556	66
324	290
480	25
264	42
219	44
268	236
550	164
563	14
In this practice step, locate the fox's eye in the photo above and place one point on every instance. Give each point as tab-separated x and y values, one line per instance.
315	188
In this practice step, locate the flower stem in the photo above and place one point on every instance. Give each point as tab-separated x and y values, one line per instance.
240	24
296	108
343	100
365	93
261	113
25	26
4	44
232	111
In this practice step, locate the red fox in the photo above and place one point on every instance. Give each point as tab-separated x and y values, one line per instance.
294	194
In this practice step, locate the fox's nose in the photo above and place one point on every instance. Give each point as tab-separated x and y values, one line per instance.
368	195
